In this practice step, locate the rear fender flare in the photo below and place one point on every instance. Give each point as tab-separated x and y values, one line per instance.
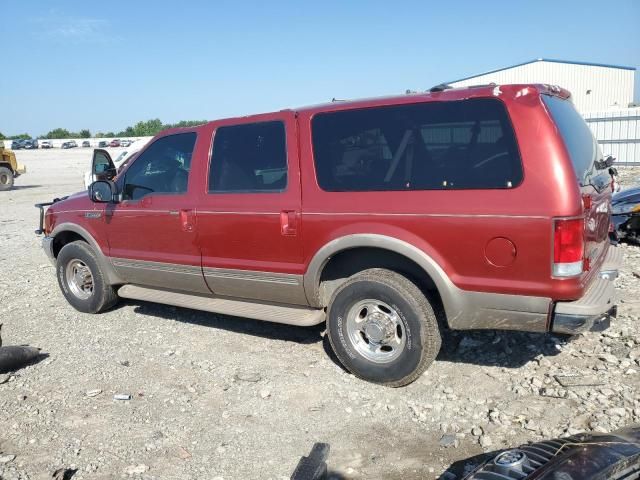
449	293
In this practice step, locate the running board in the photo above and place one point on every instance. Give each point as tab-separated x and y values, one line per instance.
270	312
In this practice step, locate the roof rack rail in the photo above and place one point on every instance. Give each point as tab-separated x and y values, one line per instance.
440	88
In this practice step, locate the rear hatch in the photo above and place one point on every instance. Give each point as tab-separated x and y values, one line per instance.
592	176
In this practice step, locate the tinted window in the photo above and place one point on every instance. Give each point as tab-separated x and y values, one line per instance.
101	162
581	145
249	158
426	146
162	168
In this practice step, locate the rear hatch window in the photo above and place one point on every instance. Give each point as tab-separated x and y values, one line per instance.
578	139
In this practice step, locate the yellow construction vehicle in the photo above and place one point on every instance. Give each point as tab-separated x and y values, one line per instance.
9	168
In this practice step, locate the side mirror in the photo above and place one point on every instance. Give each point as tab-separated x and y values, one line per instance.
103	191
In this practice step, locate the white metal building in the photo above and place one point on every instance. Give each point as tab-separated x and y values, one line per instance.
593	86
602	93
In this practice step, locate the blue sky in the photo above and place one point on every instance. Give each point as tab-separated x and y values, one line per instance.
106	65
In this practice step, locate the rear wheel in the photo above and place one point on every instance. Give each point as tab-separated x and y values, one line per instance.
82	282
6	179
382	328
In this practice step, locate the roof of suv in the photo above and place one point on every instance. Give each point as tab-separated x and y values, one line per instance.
488	90
449	94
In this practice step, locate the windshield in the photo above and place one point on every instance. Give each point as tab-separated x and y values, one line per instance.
577	136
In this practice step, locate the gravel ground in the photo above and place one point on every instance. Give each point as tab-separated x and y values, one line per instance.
219	397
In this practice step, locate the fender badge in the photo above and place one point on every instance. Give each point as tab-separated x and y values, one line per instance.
92	214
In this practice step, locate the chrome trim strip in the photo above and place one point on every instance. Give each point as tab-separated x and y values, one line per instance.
134	210
187	278
157	266
283	278
211	212
256	285
76	211
456	215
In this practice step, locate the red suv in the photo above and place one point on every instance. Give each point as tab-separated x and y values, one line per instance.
390	219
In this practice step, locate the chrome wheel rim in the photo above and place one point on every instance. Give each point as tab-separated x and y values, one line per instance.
376	331
79	279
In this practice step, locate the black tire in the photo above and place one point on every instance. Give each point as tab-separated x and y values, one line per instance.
414	313
6	179
102	295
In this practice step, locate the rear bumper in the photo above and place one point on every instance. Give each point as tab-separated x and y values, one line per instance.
596	308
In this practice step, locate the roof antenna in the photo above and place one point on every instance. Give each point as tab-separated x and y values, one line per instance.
440	88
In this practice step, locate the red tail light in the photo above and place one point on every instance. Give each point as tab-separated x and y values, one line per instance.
568	247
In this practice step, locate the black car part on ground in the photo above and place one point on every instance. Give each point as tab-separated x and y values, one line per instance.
17	356
586	456
313	467
625	206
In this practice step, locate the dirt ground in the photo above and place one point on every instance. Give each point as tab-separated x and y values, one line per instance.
217	397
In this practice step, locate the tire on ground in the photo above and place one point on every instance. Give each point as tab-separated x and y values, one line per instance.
414	313
6	179
103	295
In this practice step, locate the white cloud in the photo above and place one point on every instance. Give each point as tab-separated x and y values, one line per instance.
74	29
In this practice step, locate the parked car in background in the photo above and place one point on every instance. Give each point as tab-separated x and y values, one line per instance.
86	143
626	214
66	145
125	143
73	143
119	162
356	205
46	144
103	144
30	144
17	144
114	143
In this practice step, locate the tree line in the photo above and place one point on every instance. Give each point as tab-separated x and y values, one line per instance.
147	128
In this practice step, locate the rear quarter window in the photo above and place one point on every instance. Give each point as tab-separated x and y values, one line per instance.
467	144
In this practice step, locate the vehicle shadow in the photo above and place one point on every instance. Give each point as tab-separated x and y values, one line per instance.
508	349
25	187
258	328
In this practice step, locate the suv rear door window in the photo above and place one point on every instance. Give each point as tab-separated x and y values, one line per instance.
249	158
466	144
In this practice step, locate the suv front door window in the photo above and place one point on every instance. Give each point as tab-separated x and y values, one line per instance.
163	168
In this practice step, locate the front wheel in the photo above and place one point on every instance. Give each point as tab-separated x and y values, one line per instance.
382	328
6	179
82	282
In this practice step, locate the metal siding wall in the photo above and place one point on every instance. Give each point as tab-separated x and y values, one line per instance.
618	133
609	86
